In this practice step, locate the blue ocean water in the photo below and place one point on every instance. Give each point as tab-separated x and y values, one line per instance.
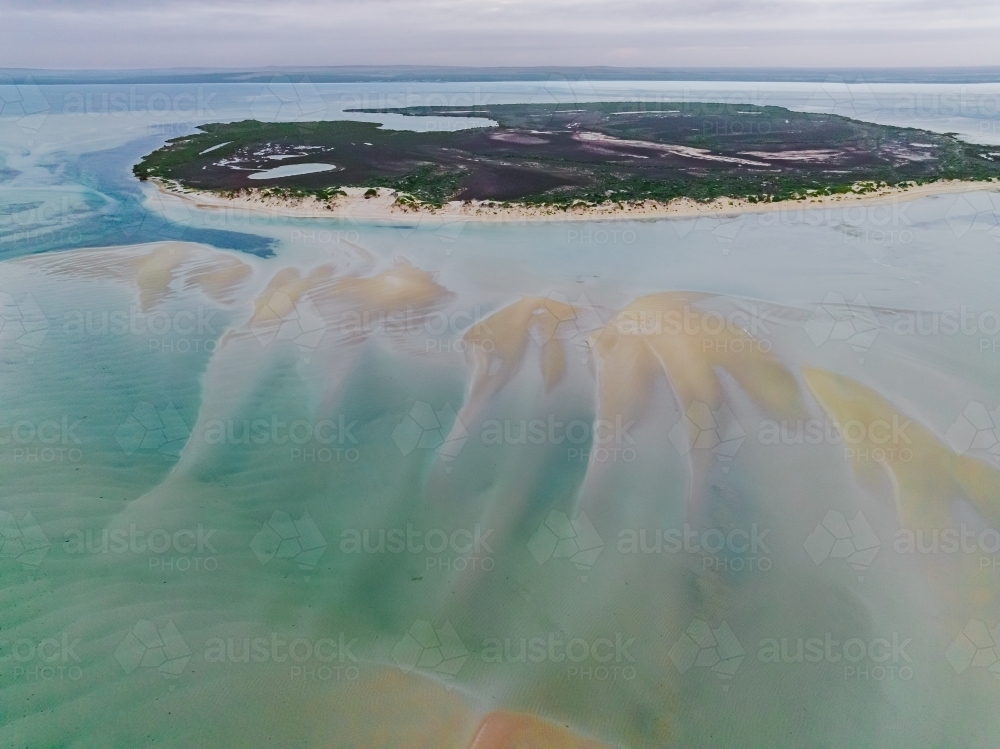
273	480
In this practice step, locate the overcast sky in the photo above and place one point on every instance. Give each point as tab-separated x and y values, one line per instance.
258	33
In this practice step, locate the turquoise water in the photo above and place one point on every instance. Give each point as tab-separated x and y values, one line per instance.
311	482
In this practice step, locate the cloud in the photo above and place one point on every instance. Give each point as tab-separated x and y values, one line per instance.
226	33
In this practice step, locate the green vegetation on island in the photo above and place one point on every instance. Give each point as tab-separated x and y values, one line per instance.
572	154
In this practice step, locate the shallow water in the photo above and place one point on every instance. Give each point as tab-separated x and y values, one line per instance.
314	482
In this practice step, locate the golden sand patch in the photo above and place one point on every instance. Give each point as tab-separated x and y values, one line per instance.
927	476
506	730
632	354
154	269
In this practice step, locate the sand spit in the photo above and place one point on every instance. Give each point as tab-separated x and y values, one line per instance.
384	206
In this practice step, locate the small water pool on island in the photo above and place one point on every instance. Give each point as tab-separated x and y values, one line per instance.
290	170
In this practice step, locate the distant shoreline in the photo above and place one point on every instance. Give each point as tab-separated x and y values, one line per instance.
383	207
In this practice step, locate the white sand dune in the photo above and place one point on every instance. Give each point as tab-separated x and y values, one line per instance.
355	206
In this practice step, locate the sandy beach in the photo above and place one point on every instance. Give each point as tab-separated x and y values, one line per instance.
384	206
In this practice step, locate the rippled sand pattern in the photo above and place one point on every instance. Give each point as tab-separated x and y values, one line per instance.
612	519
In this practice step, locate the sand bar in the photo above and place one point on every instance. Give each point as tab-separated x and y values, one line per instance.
384	206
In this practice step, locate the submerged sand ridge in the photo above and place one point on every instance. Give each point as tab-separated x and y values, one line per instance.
284	355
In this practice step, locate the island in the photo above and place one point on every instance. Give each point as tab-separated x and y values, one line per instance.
567	157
